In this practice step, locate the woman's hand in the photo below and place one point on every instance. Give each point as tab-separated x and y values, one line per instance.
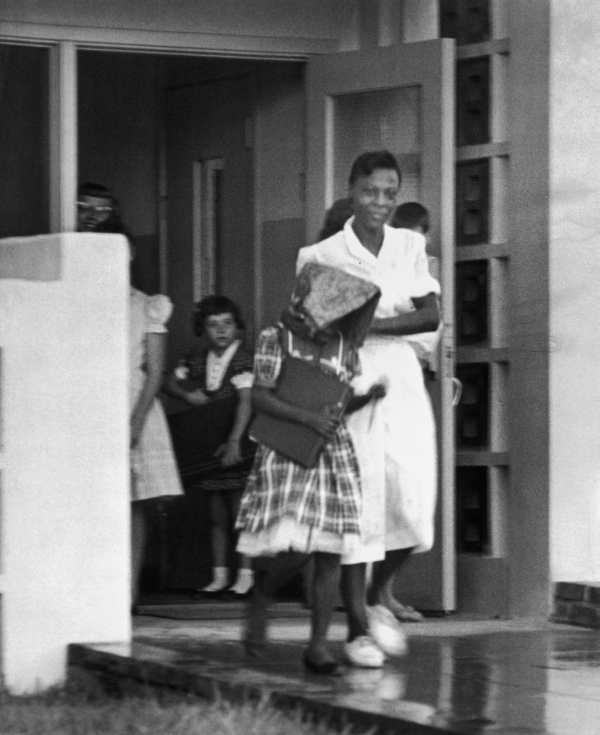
196	397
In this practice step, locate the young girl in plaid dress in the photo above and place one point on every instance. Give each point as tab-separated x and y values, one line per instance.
289	511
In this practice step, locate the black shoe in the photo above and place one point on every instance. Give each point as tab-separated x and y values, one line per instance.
324	668
209	594
232	595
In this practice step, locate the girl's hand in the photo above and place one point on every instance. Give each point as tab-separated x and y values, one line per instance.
325	423
377	391
230	453
196	398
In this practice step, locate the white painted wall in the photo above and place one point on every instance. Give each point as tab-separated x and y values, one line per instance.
574	306
64	540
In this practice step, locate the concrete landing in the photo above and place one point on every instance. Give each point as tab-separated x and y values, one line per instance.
461	676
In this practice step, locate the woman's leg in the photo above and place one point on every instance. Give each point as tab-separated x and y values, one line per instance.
383	574
325	585
219	543
138	546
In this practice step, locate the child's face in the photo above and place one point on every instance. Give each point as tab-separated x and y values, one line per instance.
221	330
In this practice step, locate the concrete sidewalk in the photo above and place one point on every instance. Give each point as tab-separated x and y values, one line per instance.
460	675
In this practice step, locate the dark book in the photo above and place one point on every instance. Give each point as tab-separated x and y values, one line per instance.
306	385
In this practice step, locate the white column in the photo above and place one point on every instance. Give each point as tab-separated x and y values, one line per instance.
63	137
574	292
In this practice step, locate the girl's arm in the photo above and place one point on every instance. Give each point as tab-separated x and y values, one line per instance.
265	400
231	452
193	398
357	402
425	318
155	361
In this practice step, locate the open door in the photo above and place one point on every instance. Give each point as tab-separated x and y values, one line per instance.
400	98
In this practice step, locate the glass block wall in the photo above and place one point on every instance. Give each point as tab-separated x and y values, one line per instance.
482	267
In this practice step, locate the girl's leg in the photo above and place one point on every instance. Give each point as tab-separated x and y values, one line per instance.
325	585
245	576
270	574
219	543
354	596
383	575
138	546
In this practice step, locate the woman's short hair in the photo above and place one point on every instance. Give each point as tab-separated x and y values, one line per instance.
411	215
213	305
370	161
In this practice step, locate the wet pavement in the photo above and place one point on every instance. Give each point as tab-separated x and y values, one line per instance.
460	675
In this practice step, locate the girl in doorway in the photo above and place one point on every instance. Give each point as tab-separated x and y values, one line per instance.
221	379
288	511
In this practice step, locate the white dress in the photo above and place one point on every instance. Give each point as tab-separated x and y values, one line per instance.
153	469
395	437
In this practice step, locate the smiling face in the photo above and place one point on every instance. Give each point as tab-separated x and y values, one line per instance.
221	331
92	212
374	198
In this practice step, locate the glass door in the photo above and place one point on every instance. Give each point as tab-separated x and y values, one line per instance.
400	98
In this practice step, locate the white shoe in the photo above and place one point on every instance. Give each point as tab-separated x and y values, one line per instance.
386	631
363	652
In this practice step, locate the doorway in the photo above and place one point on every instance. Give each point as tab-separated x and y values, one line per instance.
212	194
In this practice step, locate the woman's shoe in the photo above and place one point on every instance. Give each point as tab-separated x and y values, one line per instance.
322	668
363	653
386	631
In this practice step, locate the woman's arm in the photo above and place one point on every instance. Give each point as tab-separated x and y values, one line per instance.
265	400
230	452
425	318
155	361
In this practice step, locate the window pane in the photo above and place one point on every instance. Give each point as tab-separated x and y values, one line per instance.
383	119
24	152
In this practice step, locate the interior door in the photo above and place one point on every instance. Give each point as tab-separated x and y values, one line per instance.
400	98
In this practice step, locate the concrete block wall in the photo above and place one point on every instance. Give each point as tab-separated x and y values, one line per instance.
64	458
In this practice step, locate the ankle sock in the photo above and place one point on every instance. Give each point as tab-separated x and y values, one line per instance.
244	582
220	578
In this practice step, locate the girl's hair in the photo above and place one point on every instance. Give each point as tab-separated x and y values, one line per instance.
213	305
411	215
368	162
114	223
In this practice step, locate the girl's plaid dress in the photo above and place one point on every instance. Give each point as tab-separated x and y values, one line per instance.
286	506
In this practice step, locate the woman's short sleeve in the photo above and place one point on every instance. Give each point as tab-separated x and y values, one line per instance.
158	312
267	358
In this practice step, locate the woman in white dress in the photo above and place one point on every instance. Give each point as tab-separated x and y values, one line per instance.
394	438
154	472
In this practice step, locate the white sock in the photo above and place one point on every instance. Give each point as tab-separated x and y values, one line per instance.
244	582
220	577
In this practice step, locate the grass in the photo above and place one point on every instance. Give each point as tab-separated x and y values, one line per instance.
77	711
